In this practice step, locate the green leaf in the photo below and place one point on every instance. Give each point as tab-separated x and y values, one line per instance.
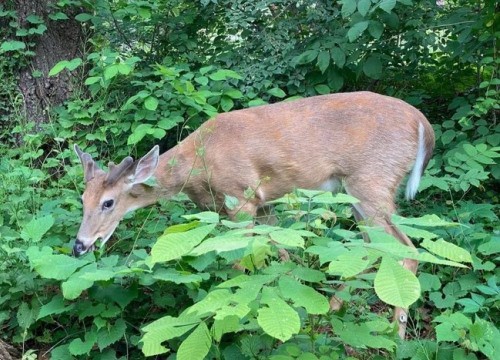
143	12
447	250
375	29
448	136
60	66
79	347
309	275
12	45
348	8
110	71
55	306
387	5
83	17
223	243
226	103
139	133
151	103
373	67
323	60
356	30
220	75
364	335
25	315
350	264
276	92
74	63
48	265
306	57
196	345
303	296
34	19
179	277
327	253
124	68
278	320
430	220
396	285
233	93
163	329
208	217
36	228
322	89
65	64
338	56
111	334
92	80
176	245
230	323
470	149
58	16
287	237
364	6
76	284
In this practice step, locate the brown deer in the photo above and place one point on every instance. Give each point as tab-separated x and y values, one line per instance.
364	141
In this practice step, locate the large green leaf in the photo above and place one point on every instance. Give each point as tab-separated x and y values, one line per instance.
350	264
278	320
223	243
364	335
26	315
36	228
387	5
164	329
79	347
175	245
323	61
396	285
54	306
225	325
51	266
447	250
151	103
73	287
180	277
356	30
303	295
196	345
287	237
109	335
373	67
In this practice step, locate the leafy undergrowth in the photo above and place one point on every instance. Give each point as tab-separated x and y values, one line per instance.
199	286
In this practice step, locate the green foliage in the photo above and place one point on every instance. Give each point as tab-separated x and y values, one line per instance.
175	281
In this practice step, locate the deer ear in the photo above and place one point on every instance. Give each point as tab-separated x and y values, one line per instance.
89	166
146	166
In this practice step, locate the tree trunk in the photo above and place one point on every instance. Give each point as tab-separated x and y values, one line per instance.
62	40
8	352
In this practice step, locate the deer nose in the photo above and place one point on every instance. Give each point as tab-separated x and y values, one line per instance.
79	248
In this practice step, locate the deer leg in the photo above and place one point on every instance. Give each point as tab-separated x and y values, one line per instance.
375	208
401	314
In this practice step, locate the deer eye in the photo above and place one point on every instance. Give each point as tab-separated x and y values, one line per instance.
108	204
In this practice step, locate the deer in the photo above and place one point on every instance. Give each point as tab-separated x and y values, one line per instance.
363	141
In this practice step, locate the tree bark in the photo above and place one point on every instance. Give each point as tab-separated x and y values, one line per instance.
8	352
62	40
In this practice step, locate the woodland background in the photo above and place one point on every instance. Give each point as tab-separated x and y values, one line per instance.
118	76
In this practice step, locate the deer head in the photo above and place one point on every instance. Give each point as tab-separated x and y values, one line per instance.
108	196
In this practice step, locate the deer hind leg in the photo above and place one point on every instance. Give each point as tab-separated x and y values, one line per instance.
375	208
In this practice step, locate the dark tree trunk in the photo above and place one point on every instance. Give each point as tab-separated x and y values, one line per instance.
62	40
8	352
